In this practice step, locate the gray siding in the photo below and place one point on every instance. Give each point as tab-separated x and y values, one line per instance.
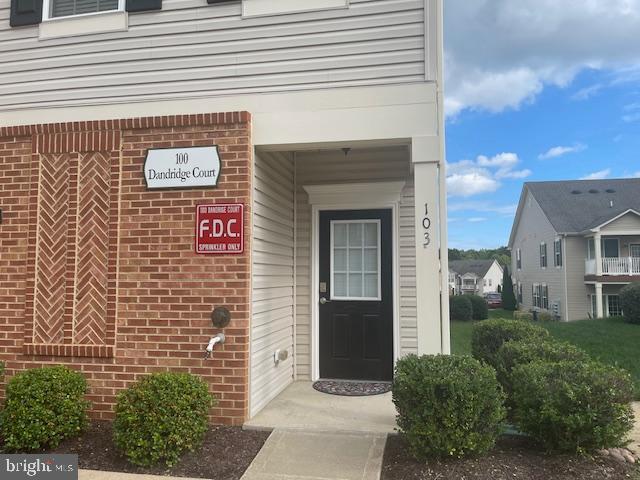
578	306
192	49
630	221
272	277
533	229
359	166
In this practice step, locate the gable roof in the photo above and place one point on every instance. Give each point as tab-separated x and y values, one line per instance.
477	267
576	206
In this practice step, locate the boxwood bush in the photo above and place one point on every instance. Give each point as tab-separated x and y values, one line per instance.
448	406
523	315
487	337
522	352
573	406
161	417
630	302
460	308
43	407
479	306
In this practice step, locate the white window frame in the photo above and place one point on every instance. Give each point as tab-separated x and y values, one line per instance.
607	297
544	294
544	261
261	8
536	295
378	298
557	253
47	4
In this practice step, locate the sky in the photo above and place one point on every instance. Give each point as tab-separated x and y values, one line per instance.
535	90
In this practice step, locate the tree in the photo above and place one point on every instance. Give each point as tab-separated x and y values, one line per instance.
509	302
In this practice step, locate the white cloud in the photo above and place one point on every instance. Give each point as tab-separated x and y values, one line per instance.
559	151
483	207
472	177
478	219
523	46
502	160
469	184
599	175
587	92
514	174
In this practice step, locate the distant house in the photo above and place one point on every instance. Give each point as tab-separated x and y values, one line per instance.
474	277
575	244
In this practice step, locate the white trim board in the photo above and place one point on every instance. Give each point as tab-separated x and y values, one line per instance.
354	196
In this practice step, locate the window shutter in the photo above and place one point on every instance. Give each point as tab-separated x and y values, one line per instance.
143	5
25	12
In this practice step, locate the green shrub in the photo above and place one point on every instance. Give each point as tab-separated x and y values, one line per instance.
460	308
514	353
43	407
479	307
487	337
523	315
448	406
161	417
573	406
1	369
630	302
545	317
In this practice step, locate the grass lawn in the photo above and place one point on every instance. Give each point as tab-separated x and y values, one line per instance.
611	341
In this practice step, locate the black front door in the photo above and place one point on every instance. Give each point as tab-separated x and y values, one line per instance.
356	295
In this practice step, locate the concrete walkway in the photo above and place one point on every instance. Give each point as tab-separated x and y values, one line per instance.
297	455
300	407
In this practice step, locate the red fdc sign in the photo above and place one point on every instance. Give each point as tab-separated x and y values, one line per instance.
220	228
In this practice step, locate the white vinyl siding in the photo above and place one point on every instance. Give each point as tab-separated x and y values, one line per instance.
191	49
273	288
379	164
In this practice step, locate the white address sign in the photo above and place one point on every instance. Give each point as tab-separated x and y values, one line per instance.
182	167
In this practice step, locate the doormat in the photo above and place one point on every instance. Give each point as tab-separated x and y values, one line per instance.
352	389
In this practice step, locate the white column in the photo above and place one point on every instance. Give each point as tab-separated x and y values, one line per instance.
599	301
597	240
431	248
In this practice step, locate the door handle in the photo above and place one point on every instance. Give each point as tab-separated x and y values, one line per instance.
323	300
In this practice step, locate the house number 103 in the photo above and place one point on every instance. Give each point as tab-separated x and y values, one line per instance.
426	225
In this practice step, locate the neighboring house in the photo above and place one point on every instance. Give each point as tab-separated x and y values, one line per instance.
475	277
322	118
575	244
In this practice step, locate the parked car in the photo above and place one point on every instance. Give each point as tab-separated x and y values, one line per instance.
494	300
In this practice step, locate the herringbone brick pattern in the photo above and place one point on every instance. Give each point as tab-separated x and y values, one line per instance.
159	293
51	280
92	240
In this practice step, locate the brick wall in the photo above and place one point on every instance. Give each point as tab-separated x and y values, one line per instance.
98	273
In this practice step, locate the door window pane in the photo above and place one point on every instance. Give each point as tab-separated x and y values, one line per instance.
355	260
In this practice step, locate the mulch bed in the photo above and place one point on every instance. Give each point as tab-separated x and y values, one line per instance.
225	454
512	458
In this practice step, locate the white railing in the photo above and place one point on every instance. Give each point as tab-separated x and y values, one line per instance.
620	266
590	267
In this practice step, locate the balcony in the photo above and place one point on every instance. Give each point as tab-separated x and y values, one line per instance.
614	266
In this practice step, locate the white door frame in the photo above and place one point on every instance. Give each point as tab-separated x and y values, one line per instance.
356	196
